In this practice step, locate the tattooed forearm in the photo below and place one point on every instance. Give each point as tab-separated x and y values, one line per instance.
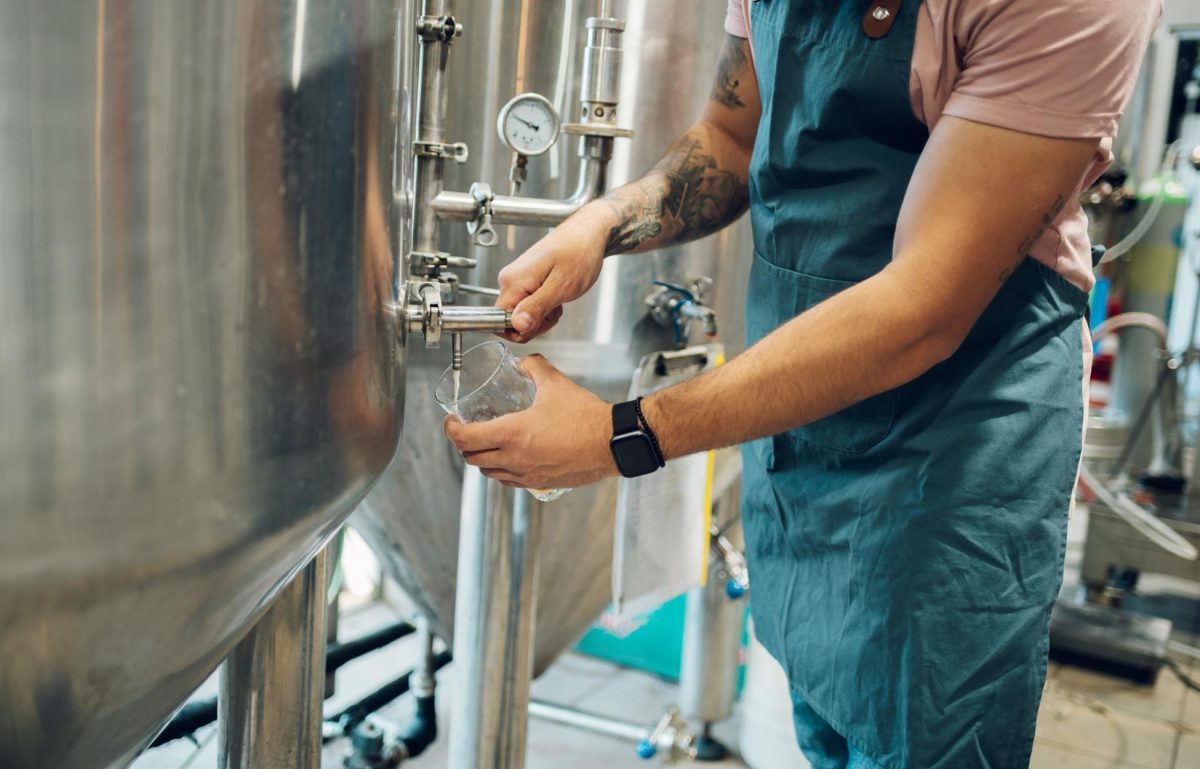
729	73
684	197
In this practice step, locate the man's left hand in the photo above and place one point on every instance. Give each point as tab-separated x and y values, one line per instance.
561	441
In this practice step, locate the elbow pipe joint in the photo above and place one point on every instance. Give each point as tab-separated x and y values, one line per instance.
421	731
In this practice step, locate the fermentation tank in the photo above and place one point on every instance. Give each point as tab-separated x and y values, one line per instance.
197	382
508	47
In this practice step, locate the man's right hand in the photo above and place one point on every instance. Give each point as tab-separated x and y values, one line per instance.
557	269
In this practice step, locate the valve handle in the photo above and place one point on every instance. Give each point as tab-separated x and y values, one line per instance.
687	294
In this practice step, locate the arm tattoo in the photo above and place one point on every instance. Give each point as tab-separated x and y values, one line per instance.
684	197
1047	220
1023	250
729	71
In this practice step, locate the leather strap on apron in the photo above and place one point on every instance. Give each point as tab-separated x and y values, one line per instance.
880	15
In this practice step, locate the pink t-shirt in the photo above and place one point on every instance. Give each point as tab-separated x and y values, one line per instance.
1063	68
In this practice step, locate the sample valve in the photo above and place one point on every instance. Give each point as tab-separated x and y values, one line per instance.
676	307
732	565
671	738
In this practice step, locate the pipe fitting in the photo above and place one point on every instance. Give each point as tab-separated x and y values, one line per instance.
440	29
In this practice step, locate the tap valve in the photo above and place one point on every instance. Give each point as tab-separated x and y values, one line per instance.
671	739
676	307
428	315
731	565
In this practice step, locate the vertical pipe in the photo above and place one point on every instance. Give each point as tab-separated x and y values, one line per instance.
431	128
496	603
331	637
273	683
712	641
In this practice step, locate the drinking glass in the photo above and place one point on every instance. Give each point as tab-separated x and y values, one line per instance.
489	385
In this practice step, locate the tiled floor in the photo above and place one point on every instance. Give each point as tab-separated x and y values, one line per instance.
1087	721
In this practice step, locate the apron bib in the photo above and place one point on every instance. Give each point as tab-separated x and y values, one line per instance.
906	551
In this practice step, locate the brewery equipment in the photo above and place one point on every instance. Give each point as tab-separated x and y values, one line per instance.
516	47
200	223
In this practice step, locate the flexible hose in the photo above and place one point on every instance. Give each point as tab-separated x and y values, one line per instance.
1170	160
1126	320
1144	522
1138	232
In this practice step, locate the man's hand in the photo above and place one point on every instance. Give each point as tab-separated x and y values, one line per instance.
558	268
561	441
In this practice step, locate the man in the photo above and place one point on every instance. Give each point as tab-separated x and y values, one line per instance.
912	404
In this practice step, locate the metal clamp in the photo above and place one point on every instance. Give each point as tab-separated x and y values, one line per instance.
438	28
424	315
456	151
481	228
597	129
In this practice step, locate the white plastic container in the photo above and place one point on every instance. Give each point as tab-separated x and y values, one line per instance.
767	738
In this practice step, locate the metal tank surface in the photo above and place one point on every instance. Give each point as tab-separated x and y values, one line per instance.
511	46
197	381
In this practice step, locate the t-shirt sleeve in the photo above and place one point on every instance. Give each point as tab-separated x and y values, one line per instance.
735	19
1064	69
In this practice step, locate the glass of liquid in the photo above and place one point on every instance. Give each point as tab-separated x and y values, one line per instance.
490	384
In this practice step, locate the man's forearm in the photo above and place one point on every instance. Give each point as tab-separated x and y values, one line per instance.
862	342
695	190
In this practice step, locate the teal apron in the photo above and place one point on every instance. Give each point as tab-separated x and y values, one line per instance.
907	550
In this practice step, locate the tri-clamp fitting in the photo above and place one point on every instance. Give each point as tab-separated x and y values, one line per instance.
429	316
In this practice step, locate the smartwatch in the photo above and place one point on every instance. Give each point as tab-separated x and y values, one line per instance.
634	446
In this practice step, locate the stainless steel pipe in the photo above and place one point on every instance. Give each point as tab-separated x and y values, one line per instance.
568	716
273	684
595	151
430	111
493	636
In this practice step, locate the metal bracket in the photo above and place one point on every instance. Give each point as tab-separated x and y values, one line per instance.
457	151
439	28
481	228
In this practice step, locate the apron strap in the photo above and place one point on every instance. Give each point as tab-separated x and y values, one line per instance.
880	16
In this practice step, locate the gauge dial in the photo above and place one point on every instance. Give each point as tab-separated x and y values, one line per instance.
528	124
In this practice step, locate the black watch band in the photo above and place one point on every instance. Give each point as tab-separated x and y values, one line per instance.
634	445
625	418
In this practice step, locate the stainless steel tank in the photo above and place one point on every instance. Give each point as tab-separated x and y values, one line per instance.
197	234
508	47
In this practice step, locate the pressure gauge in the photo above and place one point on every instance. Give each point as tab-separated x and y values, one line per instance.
528	124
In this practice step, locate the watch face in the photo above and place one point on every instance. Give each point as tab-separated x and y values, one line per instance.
634	454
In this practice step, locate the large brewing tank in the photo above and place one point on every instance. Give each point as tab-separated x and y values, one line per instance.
197	233
511	46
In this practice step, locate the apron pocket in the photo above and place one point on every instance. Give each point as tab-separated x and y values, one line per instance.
776	296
